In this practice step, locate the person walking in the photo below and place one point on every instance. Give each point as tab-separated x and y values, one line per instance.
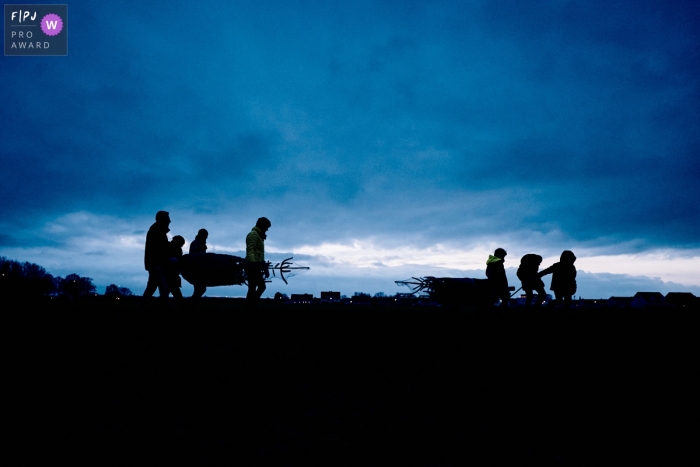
256	272
172	270
530	280
496	273
156	255
198	247
563	278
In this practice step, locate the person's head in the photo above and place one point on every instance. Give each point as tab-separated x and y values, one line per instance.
500	253
163	217
202	235
531	259
263	224
178	240
567	257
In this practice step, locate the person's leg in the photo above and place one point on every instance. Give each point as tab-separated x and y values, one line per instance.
254	280
505	297
541	296
162	282
558	297
176	292
151	285
261	288
528	297
567	301
198	291
250	296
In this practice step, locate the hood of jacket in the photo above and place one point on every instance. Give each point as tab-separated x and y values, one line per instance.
493	259
567	257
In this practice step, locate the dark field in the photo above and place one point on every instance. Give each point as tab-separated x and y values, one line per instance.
351	385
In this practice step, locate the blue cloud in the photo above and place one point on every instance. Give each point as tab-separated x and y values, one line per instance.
420	122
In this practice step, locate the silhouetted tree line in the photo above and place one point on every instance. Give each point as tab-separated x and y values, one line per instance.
30	280
114	291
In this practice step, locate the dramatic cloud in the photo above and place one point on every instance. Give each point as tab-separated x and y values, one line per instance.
398	126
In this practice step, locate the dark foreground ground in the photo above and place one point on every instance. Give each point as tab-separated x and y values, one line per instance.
340	385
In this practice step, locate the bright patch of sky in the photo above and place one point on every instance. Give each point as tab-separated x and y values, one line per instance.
383	139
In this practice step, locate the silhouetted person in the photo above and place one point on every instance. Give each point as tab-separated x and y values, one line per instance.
156	255
530	279
172	270
563	278
496	272
199	246
255	253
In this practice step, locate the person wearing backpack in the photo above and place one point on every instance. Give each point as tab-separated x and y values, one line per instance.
530	280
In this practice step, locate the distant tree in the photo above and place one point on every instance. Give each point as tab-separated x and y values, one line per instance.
38	283
11	276
113	290
24	279
380	295
57	286
74	286
361	294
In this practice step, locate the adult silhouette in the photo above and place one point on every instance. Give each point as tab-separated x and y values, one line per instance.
255	253
156	255
563	278
198	247
528	275
496	272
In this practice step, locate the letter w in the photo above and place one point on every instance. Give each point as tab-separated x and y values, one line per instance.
51	24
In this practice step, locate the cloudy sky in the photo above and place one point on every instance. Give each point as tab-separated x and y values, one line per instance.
383	139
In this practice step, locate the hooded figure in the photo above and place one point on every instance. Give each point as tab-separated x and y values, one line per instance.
563	277
527	273
496	273
199	244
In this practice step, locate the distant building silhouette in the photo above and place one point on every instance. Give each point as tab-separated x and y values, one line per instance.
521	301
360	298
619	302
589	303
681	299
645	299
404	299
302	298
330	297
279	296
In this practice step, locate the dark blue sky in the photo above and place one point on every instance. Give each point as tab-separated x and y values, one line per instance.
384	135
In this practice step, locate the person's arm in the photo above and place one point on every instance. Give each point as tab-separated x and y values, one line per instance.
544	272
